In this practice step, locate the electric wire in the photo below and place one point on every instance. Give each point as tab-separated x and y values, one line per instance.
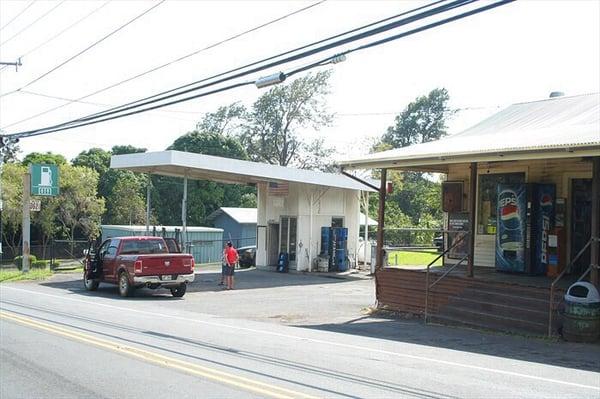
33	23
304	68
229	71
147	101
97	42
18	15
95	10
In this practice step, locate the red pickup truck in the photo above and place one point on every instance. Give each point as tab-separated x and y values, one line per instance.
134	262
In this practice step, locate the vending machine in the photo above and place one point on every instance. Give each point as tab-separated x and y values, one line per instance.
525	218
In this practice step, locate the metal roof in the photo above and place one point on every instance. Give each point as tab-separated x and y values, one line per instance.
226	170
170	229
250	215
240	215
560	127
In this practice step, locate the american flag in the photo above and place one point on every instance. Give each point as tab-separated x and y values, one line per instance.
279	189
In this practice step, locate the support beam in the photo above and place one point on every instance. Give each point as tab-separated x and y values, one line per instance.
472	210
595	248
184	214
148	207
380	218
366	239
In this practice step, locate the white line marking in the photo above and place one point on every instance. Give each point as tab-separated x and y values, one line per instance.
319	341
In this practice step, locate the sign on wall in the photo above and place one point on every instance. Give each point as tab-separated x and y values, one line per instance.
44	180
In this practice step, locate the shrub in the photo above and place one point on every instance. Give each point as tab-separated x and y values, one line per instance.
40	264
18	261
54	265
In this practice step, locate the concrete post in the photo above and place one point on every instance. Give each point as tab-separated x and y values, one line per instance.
595	231
184	214
472	210
26	221
148	207
381	218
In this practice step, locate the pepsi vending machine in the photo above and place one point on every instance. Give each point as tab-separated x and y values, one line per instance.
525	217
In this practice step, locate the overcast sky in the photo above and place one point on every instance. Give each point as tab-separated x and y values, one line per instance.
518	52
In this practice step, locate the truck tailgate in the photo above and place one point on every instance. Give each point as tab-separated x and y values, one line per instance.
153	265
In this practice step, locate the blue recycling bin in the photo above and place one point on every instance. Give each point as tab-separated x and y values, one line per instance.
283	264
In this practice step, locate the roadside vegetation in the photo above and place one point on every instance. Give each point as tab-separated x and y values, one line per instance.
10	275
413	258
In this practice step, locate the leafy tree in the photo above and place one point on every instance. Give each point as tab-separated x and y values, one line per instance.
248	200
422	120
127	149
126	204
78	205
9	149
226	120
44	158
12	196
94	158
271	134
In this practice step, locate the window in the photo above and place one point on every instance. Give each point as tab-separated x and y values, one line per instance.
337	222
287	236
112	248
140	247
487	203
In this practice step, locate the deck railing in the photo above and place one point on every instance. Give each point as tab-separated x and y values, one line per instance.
551	307
427	285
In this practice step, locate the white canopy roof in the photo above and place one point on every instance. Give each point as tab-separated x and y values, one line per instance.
250	215
226	170
560	127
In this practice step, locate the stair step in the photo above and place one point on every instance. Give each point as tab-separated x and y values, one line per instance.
532	313
493	322
461	322
505	299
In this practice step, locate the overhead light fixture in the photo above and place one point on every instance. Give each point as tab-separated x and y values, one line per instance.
270	80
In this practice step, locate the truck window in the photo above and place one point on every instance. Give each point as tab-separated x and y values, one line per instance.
141	247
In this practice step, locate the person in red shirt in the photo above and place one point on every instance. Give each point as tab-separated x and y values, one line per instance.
231	258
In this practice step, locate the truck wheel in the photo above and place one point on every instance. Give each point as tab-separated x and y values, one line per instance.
125	289
90	283
178	292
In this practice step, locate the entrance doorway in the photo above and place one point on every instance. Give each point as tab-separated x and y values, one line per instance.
581	225
272	244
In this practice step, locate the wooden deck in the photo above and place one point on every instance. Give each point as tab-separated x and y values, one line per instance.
489	300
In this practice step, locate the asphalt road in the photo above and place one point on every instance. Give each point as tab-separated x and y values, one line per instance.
60	343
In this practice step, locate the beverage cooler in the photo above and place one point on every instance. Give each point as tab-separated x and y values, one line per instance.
525	217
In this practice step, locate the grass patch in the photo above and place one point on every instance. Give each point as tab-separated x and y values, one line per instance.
7	275
409	258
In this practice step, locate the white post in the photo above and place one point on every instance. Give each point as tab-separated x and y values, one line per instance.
184	213
310	232
26	221
148	208
366	239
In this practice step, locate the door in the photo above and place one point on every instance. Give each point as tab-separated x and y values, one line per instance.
109	260
581	225
272	244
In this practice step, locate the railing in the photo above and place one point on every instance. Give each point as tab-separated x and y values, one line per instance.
427	285
561	275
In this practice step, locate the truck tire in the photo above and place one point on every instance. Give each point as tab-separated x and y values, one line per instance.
125	288
179	291
90	283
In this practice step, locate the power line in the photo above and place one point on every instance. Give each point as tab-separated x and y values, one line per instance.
18	15
63	31
84	122
87	48
154	69
33	23
363	35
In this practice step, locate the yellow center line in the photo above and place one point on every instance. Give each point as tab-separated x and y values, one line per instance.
225	378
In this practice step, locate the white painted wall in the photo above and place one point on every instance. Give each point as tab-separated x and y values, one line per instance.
326	203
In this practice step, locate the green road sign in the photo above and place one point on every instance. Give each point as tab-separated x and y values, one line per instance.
44	180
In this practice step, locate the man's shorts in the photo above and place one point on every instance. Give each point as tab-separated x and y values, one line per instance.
228	270
224	269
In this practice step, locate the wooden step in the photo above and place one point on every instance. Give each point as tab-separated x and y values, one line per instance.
507	309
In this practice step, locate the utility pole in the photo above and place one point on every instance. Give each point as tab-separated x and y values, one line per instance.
16	64
26	220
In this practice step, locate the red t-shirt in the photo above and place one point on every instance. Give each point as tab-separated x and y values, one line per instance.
231	255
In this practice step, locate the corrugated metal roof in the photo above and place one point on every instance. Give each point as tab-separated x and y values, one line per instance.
226	170
169	229
563	125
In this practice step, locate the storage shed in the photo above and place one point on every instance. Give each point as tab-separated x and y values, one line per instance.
238	224
206	243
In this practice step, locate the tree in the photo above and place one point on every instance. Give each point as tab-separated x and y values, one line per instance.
422	120
44	158
271	134
317	156
127	149
78	204
12	196
226	120
126	204
9	149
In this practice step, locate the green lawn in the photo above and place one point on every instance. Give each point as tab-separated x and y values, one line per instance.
16	275
413	258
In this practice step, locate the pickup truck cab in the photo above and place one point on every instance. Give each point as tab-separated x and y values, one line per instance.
135	262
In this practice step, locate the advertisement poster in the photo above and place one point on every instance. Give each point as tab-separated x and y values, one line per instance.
510	236
458	224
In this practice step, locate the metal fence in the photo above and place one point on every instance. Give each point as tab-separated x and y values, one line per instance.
63	250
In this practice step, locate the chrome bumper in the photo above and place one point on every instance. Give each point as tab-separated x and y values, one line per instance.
181	278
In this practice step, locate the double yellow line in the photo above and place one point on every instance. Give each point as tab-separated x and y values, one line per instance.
226	378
